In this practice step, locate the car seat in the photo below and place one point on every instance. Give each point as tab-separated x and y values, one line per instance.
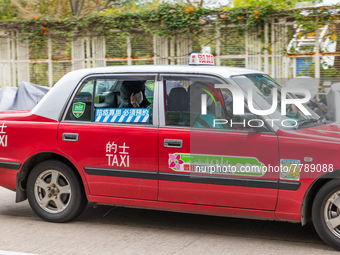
110	101
178	100
178	110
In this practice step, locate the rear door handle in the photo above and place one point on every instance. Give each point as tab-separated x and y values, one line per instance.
173	143
70	137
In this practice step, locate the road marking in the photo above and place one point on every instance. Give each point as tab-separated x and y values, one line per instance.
14	253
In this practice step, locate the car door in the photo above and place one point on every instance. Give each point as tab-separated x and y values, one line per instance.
190	146
116	147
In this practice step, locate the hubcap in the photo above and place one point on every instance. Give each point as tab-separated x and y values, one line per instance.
332	213
52	191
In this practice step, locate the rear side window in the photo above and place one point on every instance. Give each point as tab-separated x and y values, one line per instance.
114	100
80	108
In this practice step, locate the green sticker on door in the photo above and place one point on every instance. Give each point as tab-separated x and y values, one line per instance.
78	109
216	164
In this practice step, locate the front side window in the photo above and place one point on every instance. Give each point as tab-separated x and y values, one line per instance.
123	99
262	87
196	101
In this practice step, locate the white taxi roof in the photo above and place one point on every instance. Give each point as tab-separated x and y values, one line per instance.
55	100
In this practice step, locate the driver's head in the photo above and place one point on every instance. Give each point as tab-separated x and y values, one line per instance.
133	86
129	87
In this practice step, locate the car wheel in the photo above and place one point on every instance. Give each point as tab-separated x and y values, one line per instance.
326	213
54	192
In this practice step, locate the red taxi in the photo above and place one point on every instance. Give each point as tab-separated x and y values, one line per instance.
167	138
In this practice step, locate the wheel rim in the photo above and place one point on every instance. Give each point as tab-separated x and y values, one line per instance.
52	191
332	213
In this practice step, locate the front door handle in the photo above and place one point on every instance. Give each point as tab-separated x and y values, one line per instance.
173	143
70	137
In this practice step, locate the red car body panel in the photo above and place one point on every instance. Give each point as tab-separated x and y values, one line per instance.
322	143
90	151
148	155
38	136
182	207
264	147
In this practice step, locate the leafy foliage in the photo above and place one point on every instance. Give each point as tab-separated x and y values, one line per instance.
246	17
47	8
257	3
8	10
165	19
310	20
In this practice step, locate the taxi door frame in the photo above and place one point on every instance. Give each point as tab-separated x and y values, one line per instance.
92	122
162	124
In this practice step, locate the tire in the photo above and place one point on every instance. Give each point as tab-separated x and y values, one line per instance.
55	192
326	213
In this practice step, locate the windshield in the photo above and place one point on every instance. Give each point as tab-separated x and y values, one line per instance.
262	87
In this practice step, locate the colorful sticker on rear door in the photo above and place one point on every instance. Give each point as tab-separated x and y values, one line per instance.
214	164
78	109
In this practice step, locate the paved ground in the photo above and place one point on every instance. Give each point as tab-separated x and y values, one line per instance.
111	230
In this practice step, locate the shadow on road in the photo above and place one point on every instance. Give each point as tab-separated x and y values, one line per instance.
272	230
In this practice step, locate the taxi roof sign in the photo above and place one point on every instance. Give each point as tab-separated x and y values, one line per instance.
201	59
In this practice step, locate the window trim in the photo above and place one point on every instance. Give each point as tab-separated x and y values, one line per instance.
93	100
228	81
155	117
273	128
71	98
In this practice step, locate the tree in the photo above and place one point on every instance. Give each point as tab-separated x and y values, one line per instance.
8	10
77	5
49	8
204	3
258	3
52	8
200	3
108	4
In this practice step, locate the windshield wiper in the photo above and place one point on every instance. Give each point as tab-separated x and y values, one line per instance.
308	121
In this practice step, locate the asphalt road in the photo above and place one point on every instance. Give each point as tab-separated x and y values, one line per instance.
112	230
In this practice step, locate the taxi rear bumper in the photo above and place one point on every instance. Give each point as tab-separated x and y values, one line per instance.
8	174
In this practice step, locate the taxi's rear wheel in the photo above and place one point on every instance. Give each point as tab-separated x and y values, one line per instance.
326	213
54	192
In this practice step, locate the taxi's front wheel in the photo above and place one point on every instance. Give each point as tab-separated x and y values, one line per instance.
54	192
326	213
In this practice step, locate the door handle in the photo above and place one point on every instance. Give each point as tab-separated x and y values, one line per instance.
70	137
173	143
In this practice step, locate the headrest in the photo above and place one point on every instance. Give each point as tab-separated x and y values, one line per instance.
110	101
178	100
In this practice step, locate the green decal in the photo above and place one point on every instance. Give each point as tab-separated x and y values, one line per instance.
214	164
78	109
150	85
